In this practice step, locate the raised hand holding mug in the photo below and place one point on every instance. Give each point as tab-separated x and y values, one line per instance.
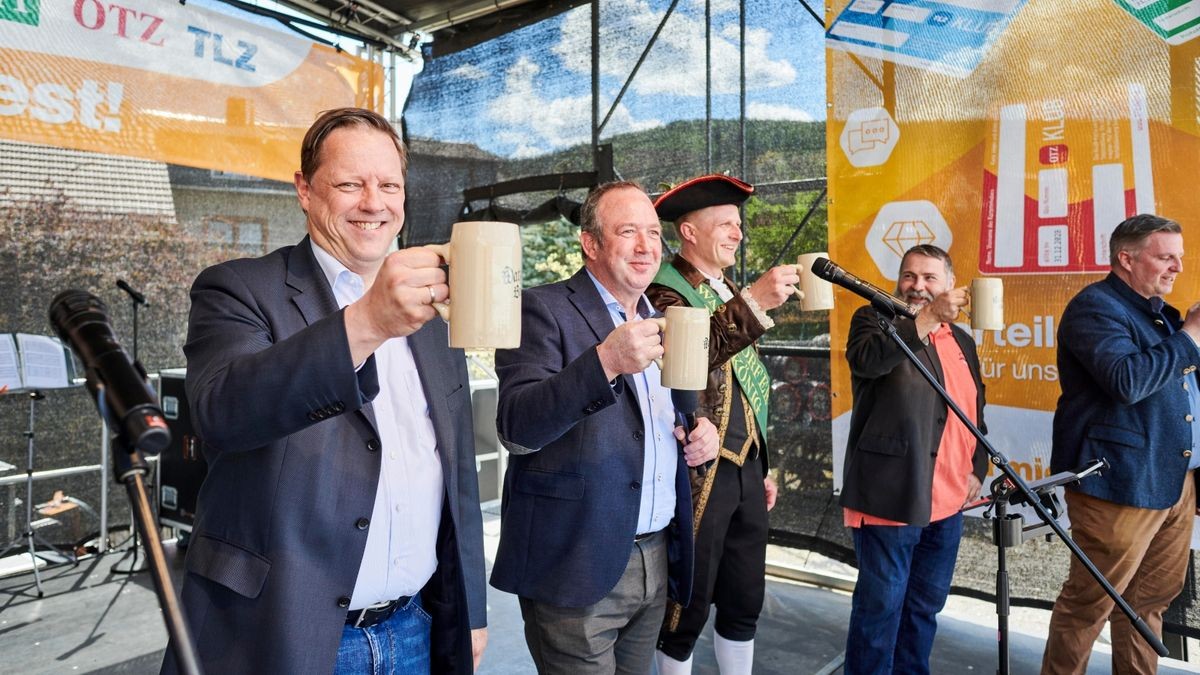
684	364
485	285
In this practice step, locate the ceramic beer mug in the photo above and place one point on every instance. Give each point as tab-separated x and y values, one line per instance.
816	293
684	364
987	303
484	309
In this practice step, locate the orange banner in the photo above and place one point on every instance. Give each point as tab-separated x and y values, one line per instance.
1019	161
171	83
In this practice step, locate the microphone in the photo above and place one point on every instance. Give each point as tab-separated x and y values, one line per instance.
686	401
879	298
117	383
137	297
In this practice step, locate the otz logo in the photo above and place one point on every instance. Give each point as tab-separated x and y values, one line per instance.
21	11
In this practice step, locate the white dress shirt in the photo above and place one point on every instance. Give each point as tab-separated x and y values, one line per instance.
401	553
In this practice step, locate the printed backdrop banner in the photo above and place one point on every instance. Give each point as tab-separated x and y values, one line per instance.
169	82
1015	134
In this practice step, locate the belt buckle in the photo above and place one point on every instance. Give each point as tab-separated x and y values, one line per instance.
362	613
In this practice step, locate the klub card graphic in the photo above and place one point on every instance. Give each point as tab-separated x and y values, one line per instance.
1175	21
943	36
1058	178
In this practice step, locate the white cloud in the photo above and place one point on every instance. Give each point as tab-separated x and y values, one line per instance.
775	111
524	151
675	64
536	125
469	71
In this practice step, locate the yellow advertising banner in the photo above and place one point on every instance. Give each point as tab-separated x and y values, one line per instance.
169	82
1016	134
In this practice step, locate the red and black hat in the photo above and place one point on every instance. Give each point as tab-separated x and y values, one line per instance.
700	193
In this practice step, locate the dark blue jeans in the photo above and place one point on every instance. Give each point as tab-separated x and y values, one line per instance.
398	646
903	579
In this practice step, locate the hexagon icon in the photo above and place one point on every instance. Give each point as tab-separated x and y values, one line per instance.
901	225
869	136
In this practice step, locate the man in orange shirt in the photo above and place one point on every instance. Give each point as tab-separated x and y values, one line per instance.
910	466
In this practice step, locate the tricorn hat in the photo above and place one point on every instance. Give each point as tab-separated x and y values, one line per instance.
700	193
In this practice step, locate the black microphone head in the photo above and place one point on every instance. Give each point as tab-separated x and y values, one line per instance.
686	401
73	309
824	268
116	382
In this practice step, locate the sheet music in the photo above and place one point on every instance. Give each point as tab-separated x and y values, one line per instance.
43	362
10	371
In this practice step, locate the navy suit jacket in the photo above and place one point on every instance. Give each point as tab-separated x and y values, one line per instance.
1122	372
573	486
293	454
897	422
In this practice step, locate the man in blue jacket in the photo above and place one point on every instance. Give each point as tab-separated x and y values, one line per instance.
596	527
1127	368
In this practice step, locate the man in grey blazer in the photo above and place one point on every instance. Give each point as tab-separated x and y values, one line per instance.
1127	368
597	519
338	529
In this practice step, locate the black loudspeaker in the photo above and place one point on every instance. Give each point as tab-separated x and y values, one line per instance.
181	467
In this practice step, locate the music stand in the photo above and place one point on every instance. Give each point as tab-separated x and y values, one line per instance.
29	535
1009	530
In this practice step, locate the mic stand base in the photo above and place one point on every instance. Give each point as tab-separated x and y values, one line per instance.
133	562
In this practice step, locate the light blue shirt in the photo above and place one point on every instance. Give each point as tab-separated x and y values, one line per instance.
401	551
661	451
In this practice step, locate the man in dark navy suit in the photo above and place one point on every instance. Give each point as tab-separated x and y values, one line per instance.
596	525
1127	368
338	529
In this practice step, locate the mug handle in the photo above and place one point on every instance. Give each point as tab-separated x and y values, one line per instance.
662	327
442	250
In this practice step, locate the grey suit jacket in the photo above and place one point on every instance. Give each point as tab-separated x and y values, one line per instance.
289	435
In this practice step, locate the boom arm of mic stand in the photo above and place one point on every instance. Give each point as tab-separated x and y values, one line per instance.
1022	487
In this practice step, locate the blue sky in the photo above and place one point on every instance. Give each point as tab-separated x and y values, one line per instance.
528	93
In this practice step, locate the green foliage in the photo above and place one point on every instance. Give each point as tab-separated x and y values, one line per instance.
770	225
550	252
46	247
775	151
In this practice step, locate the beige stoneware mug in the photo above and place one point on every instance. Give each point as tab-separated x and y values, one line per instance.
816	293
684	364
485	285
987	303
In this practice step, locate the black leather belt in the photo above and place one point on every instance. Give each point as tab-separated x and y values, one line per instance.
369	616
644	536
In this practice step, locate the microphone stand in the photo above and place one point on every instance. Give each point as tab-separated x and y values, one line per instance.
130	469
136	561
1009	531
1020	487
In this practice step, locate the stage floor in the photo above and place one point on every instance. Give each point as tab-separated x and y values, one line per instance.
93	621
